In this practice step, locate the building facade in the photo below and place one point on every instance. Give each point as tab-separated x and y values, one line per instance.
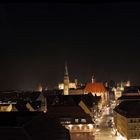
127	120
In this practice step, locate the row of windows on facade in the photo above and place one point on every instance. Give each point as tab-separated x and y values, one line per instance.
78	127
76	121
134	121
82	120
134	127
135	134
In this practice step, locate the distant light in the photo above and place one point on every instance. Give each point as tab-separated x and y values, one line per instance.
97	130
39	88
45	111
121	137
70	126
90	126
80	125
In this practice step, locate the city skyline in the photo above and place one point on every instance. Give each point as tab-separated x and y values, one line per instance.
37	39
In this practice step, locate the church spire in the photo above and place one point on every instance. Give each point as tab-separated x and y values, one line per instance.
66	81
66	69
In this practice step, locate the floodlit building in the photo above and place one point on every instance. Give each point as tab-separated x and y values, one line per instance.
127	120
67	85
97	89
117	88
66	81
75	112
71	85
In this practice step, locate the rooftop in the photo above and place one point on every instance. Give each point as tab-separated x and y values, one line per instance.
133	97
72	100
131	89
129	108
95	88
17	95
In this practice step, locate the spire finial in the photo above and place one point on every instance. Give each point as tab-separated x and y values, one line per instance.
66	68
93	78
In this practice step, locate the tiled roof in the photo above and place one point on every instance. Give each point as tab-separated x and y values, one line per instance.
94	88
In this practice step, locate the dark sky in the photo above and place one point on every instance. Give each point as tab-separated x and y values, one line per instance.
37	38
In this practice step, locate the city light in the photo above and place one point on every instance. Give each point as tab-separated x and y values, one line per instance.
121	137
80	126
70	126
90	126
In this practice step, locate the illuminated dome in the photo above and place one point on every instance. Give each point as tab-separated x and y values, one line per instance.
95	88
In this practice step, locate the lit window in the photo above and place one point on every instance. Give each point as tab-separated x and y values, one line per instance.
83	120
65	122
90	126
76	120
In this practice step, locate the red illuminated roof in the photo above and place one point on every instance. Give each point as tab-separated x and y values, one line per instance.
94	88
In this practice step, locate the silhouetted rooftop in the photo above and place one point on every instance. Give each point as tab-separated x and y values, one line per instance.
129	108
64	100
131	89
135	97
17	95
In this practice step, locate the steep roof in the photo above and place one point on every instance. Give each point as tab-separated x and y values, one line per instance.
71	106
94	88
72	100
129	108
66	111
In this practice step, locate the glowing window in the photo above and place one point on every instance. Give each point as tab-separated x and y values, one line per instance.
83	120
76	120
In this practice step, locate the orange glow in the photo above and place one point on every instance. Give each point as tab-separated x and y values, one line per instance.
95	88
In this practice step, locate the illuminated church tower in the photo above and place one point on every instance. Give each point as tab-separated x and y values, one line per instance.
66	81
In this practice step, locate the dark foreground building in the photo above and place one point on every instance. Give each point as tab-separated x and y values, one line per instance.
30	126
75	113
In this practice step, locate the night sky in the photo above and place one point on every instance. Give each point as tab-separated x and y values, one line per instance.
37	38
